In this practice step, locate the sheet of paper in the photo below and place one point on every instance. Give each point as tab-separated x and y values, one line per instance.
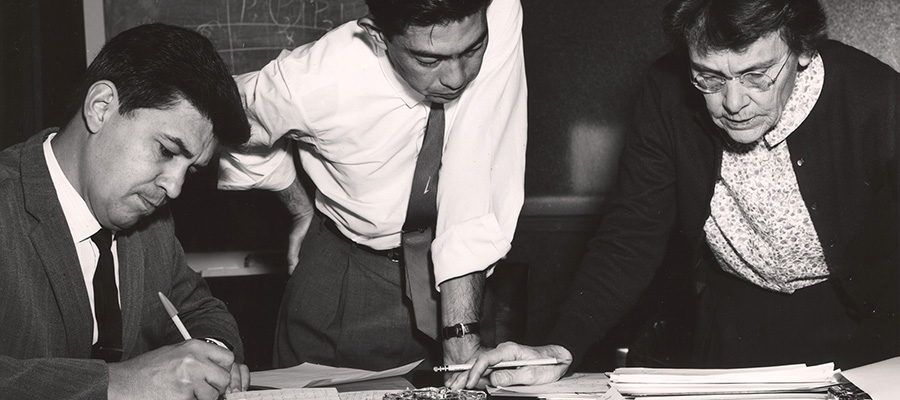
756	396
365	395
878	380
784	373
314	375
576	383
611	394
287	394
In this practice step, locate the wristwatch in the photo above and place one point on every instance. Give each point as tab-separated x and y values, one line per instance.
460	330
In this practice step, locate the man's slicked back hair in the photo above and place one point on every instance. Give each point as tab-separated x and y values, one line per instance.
393	17
156	65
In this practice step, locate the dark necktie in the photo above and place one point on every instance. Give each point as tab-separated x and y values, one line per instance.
418	230
106	302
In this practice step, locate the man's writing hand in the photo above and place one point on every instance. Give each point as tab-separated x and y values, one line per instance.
240	378
188	370
509	351
300	207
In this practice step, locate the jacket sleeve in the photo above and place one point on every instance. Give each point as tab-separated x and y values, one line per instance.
631	241
50	378
203	315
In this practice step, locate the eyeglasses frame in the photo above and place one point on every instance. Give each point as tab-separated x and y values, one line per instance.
740	79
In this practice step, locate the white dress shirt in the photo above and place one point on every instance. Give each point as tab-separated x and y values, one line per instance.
82	225
361	127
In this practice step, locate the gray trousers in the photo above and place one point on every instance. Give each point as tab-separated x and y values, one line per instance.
345	307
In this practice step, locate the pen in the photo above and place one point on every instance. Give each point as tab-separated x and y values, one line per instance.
173	313
504	364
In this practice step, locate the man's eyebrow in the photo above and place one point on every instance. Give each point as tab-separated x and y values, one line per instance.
419	53
181	147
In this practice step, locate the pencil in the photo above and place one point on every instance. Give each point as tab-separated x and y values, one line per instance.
503	364
173	313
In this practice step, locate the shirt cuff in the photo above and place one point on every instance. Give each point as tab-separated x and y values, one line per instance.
268	169
219	343
468	247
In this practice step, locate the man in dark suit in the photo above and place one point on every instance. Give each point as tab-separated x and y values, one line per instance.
80	318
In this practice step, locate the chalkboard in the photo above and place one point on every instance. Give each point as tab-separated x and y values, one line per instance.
247	33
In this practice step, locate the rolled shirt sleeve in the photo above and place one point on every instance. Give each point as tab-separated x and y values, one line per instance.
265	161
482	179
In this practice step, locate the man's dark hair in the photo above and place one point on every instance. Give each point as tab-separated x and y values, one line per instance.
156	65
733	25
394	16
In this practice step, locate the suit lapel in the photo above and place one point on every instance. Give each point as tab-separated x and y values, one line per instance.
131	283
53	244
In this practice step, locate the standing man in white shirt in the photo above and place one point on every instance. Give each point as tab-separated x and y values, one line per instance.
358	101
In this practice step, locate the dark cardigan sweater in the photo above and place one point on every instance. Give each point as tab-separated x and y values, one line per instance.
845	159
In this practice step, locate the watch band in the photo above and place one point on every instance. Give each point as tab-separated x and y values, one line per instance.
460	330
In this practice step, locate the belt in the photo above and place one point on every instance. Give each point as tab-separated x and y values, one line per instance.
395	254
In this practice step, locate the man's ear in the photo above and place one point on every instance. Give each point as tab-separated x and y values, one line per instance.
372	30
101	101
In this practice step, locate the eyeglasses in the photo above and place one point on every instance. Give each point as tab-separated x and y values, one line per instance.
755	81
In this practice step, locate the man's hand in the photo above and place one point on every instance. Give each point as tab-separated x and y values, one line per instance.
240	378
188	370
299	205
509	351
461	351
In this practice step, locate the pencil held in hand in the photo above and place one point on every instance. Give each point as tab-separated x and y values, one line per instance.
173	313
504	364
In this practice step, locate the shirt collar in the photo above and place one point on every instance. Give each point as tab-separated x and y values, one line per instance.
409	96
81	222
807	88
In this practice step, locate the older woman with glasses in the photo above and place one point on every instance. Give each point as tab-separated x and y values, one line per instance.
769	153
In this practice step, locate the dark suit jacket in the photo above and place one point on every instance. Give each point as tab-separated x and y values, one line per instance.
46	325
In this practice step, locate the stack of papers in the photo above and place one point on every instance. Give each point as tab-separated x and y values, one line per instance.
780	382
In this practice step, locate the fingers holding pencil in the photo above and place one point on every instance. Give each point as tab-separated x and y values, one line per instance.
502	364
532	366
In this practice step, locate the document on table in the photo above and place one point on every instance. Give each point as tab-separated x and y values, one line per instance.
576	386
800	381
307	394
309	375
878	380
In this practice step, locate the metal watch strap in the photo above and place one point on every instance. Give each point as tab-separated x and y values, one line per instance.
460	330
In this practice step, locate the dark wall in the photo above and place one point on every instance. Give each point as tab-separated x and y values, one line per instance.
41	59
584	62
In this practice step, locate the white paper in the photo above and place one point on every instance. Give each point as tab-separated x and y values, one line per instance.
307	394
314	375
576	383
287	394
879	380
366	394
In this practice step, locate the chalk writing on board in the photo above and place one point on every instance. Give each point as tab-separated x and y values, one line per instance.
247	33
